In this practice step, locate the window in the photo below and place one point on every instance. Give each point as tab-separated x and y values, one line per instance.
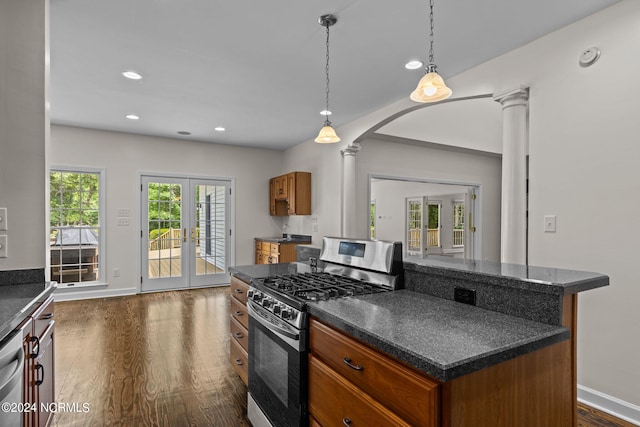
75	231
458	223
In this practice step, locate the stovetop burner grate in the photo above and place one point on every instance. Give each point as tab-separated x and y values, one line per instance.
320	286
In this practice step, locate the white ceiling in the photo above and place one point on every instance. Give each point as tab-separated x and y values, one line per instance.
257	67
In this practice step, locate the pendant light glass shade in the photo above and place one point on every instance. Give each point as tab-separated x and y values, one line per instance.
327	135
431	87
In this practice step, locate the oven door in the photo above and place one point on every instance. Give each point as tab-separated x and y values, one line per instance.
277	369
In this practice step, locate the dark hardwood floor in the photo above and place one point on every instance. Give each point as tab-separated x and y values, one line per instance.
161	359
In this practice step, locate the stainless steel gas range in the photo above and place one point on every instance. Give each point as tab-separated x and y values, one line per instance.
278	321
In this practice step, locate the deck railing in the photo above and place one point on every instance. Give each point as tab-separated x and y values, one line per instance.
458	237
170	239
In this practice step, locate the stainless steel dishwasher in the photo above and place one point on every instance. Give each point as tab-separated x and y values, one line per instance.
11	368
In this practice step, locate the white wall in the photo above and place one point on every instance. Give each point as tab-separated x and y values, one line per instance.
125	156
24	129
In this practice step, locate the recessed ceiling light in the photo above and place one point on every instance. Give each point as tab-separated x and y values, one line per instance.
219	129
132	75
413	65
325	112
132	117
183	132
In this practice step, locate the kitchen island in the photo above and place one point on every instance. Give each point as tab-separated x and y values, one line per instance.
508	360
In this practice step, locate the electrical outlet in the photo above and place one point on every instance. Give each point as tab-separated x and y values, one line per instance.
3	246
465	296
3	219
116	272
123	212
123	221
549	223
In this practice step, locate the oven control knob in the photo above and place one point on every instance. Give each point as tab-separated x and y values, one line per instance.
276	309
266	303
286	313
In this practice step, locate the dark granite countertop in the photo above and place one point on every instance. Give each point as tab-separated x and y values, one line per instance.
294	238
555	281
17	302
444	339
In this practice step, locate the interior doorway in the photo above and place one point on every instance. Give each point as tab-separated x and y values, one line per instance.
429	217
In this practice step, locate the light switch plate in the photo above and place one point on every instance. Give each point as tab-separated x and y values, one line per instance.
3	219
549	223
3	246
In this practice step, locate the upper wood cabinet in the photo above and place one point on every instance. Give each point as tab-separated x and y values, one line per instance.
290	194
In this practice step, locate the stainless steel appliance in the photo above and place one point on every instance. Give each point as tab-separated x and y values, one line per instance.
278	321
11	369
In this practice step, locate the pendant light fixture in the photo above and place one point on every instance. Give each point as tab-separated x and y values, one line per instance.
431	87
327	134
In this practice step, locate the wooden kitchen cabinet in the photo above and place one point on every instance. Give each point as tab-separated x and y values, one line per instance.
238	327
39	384
532	390
268	252
290	194
351	381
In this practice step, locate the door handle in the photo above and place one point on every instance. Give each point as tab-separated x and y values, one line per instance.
39	367
184	235
193	234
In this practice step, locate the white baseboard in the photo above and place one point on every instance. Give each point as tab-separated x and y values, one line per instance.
609	404
65	294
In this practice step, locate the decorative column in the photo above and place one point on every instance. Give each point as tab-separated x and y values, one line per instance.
513	230
349	223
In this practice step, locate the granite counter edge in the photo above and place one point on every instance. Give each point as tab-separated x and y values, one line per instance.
22	313
441	372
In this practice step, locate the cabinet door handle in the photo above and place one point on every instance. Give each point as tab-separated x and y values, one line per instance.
348	362
238	313
39	367
346	422
35	350
238	362
238	291
46	316
238	335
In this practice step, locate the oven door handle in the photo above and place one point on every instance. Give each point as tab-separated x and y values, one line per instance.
263	317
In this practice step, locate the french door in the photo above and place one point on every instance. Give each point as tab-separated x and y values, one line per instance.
185	232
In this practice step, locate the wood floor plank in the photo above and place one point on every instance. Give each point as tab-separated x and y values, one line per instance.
161	359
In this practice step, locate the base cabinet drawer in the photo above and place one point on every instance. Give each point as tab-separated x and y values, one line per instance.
239	289
239	313
413	397
239	360
240	334
334	401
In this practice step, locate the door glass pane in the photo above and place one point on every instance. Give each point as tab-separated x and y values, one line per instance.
414	242
164	218
210	233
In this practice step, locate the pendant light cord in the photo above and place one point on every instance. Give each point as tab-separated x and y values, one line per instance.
327	122
431	34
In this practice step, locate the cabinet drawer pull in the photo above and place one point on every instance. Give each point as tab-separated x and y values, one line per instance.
238	313
47	316
238	362
346	422
39	367
238	291
238	335
348	362
36	348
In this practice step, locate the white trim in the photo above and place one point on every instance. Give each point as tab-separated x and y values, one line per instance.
66	295
618	408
